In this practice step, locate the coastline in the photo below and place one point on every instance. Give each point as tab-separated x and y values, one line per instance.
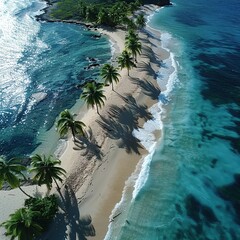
98	177
98	185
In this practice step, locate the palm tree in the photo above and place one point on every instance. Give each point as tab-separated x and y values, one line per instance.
126	61
46	171
110	74
131	34
133	46
141	21
93	94
67	122
9	172
130	23
21	225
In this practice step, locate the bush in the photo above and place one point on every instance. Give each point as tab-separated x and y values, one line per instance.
46	208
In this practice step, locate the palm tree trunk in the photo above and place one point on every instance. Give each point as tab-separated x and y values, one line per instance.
73	134
97	109
59	190
112	86
24	192
128	71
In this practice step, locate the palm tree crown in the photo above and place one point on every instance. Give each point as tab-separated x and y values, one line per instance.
126	61
46	171
21	225
141	21
110	74
133	46
93	94
9	172
67	122
131	34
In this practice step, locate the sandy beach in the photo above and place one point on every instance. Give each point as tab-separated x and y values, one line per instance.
98	169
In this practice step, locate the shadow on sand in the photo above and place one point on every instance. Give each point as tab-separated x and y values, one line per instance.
68	224
88	145
121	121
148	88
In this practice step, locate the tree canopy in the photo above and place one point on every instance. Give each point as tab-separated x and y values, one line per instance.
111	13
93	95
110	74
66	122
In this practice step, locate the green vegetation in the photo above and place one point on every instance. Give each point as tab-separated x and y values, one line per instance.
110	74
141	21
22	225
10	171
111	13
46	171
66	122
133	45
93	95
46	208
32	220
29	222
126	61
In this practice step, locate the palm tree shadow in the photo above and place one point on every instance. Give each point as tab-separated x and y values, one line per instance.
88	145
143	39
78	227
148	68
138	110
57	229
124	116
148	52
148	88
70	225
119	126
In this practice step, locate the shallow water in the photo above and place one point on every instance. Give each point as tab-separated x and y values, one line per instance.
188	187
40	66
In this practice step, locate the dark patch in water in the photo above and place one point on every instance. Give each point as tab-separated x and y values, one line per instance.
235	142
231	193
190	19
213	163
194	172
220	72
199	212
178	208
18	145
233	234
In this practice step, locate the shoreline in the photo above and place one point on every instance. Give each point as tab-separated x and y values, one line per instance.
104	182
98	184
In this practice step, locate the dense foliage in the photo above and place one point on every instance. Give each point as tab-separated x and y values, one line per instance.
22	225
108	13
46	208
32	220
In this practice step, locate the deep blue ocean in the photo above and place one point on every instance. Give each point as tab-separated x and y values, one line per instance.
40	66
189	186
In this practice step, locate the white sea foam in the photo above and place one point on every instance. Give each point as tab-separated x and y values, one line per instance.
167	76
146	134
113	48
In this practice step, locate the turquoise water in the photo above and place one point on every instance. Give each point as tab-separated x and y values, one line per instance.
188	187
41	65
